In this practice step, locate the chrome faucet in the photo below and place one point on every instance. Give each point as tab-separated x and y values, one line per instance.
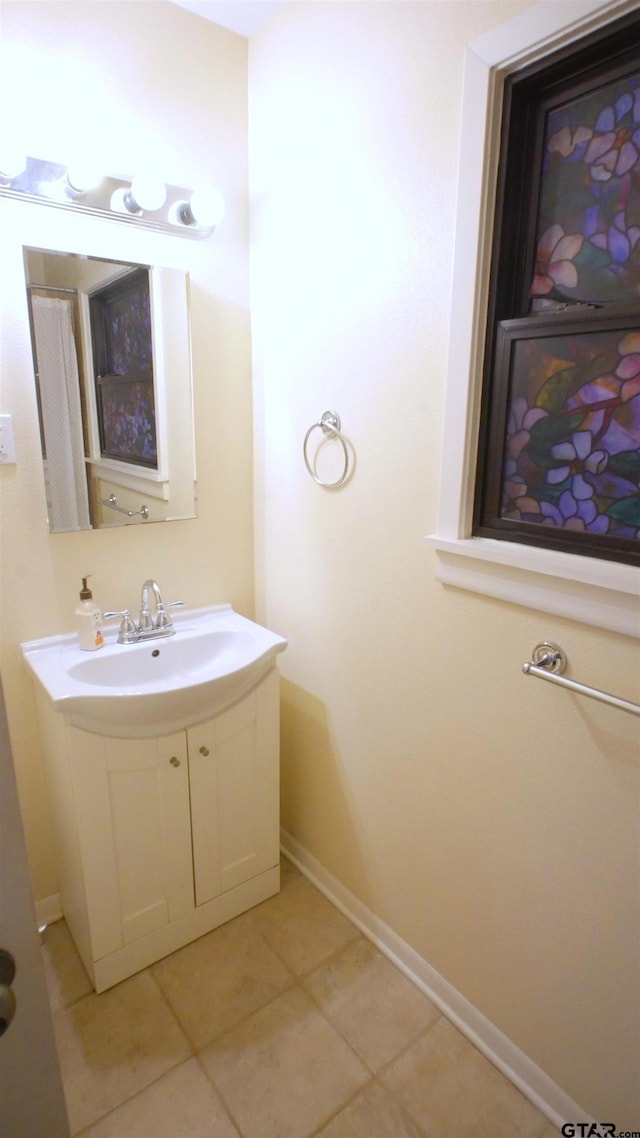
146	622
148	627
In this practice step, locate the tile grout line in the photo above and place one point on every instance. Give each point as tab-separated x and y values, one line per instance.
174	1014
221	1096
324	1122
375	1075
157	1078
243	1019
338	1029
334	1114
374	1081
130	1098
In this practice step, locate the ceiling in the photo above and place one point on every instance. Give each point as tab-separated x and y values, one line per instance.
242	16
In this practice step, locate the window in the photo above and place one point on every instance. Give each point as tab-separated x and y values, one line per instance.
559	451
597	591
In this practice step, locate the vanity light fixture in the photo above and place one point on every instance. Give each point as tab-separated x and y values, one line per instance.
143	201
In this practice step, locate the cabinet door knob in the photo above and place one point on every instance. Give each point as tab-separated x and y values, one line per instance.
175	762
204	751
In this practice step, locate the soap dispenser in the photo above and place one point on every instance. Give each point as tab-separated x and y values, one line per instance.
88	621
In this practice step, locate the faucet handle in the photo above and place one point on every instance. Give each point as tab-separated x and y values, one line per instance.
163	620
124	613
127	625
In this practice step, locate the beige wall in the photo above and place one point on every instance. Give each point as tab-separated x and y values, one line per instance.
489	819
157	87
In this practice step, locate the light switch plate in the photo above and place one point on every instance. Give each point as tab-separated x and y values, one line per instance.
7	444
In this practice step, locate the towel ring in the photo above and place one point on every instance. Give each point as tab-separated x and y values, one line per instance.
330	426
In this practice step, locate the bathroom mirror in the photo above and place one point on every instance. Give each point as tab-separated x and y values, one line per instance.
112	368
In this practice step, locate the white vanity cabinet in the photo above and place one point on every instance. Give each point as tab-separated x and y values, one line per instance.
162	839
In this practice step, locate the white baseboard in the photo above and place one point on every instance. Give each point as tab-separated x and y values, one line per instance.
48	910
546	1095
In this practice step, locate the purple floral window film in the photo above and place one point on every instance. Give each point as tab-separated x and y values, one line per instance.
588	223
128	332
572	446
123	361
129	422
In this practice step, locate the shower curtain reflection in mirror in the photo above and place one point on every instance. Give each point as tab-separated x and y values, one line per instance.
61	414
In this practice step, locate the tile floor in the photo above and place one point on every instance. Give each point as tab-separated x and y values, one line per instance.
284	1023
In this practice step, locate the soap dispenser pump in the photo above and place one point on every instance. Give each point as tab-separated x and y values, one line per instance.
88	620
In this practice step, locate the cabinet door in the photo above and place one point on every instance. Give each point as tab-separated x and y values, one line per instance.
132	798
234	773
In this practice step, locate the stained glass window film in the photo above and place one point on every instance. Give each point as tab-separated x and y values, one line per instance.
127	330
571	458
588	224
128	422
123	360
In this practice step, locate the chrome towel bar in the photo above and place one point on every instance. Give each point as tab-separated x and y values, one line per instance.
548	663
112	503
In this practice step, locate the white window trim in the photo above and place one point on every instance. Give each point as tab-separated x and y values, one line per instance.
591	590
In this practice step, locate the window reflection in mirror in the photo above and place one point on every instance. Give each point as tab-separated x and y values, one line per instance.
112	365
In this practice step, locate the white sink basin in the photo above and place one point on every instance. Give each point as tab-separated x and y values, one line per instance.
156	686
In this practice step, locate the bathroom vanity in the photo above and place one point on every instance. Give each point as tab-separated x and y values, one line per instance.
163	835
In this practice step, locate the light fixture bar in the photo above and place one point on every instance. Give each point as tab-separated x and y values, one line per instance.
46	183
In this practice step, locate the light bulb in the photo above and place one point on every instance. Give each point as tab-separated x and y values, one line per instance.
83	177
12	164
146	193
206	209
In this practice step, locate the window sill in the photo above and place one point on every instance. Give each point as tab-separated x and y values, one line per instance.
601	593
139	480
